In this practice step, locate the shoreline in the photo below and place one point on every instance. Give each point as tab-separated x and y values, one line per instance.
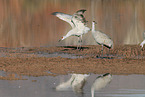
27	61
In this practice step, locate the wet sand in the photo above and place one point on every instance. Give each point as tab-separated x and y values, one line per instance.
122	59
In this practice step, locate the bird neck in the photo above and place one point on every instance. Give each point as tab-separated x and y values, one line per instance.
93	26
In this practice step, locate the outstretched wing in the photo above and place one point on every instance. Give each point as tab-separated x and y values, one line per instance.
78	19
81	11
64	17
80	15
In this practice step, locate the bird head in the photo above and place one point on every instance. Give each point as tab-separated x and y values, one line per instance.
94	22
60	39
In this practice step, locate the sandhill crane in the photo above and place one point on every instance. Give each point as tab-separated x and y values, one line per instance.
101	38
101	82
76	82
143	42
77	22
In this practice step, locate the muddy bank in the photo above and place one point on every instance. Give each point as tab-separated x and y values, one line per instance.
126	59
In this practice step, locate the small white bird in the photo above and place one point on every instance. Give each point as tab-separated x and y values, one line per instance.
76	82
101	82
142	43
77	22
101	38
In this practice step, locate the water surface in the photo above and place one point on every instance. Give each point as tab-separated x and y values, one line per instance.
44	86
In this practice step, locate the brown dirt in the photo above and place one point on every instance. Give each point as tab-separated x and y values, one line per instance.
125	59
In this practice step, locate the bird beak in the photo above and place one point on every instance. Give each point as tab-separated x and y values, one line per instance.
59	40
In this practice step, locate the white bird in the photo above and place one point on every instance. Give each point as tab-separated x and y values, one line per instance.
101	38
77	22
143	42
101	82
76	82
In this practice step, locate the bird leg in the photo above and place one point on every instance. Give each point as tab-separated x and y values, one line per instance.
79	42
102	50
108	52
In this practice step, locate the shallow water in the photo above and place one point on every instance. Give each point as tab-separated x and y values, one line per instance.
44	86
56	54
48	55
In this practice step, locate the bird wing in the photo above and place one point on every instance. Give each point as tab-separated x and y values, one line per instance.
104	35
78	19
64	17
72	32
99	35
102	38
81	11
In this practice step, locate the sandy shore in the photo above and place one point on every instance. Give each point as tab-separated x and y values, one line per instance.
125	59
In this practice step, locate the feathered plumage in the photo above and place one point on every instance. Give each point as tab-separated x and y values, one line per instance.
101	82
101	38
77	22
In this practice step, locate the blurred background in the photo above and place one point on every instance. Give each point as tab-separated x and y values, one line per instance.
29	23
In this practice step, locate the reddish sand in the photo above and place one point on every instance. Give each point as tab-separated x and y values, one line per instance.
126	59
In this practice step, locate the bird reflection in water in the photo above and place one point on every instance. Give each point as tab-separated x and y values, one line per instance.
101	82
76	83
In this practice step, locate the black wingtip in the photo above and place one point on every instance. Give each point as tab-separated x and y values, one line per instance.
54	13
81	11
106	74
